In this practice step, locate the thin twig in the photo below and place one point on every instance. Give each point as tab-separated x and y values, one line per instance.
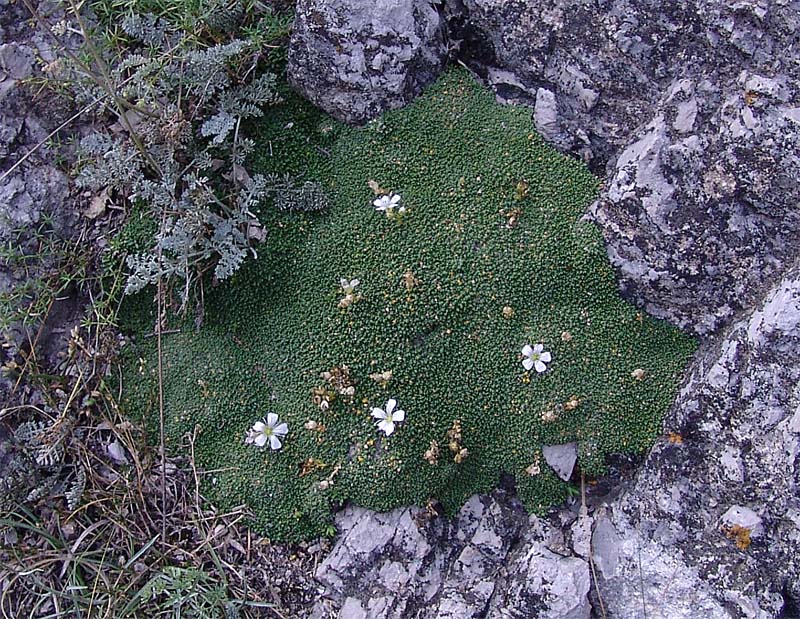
584	510
641	573
161	441
159	333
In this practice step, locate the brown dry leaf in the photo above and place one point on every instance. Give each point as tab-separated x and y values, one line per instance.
376	189
237	546
98	205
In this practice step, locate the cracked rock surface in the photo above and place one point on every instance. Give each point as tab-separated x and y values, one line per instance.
689	109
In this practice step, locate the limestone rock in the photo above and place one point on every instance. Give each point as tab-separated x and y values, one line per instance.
356	59
561	458
405	564
35	196
16	61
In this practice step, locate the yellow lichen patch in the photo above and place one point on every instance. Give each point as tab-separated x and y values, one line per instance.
739	534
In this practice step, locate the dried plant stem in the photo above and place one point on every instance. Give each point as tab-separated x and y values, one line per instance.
161	442
584	509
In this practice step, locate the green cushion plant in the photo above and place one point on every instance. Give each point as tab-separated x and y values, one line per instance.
488	254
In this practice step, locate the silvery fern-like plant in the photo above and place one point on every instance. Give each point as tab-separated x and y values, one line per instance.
35	465
179	150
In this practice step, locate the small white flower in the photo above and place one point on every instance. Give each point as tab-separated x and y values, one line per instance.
388	416
387	203
535	357
267	430
348	286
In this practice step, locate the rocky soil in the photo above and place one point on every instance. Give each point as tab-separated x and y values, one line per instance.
37	207
689	111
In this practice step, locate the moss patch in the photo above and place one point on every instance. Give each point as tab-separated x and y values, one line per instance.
490	256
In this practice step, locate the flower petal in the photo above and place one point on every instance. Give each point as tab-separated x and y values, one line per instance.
387	427
527	350
399	415
540	367
274	442
538	348
354	282
343	283
272	419
281	429
378	413
545	357
394	199
260	439
527	363
390	406
259	426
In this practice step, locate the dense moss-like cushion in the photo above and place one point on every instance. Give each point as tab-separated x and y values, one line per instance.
491	255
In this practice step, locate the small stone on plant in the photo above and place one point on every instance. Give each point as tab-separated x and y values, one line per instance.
535	357
388	416
271	429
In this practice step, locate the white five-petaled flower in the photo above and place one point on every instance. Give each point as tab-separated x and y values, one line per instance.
535	357
267	430
387	203
348	286
388	416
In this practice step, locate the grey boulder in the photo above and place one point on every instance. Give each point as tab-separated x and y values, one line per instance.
357	59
